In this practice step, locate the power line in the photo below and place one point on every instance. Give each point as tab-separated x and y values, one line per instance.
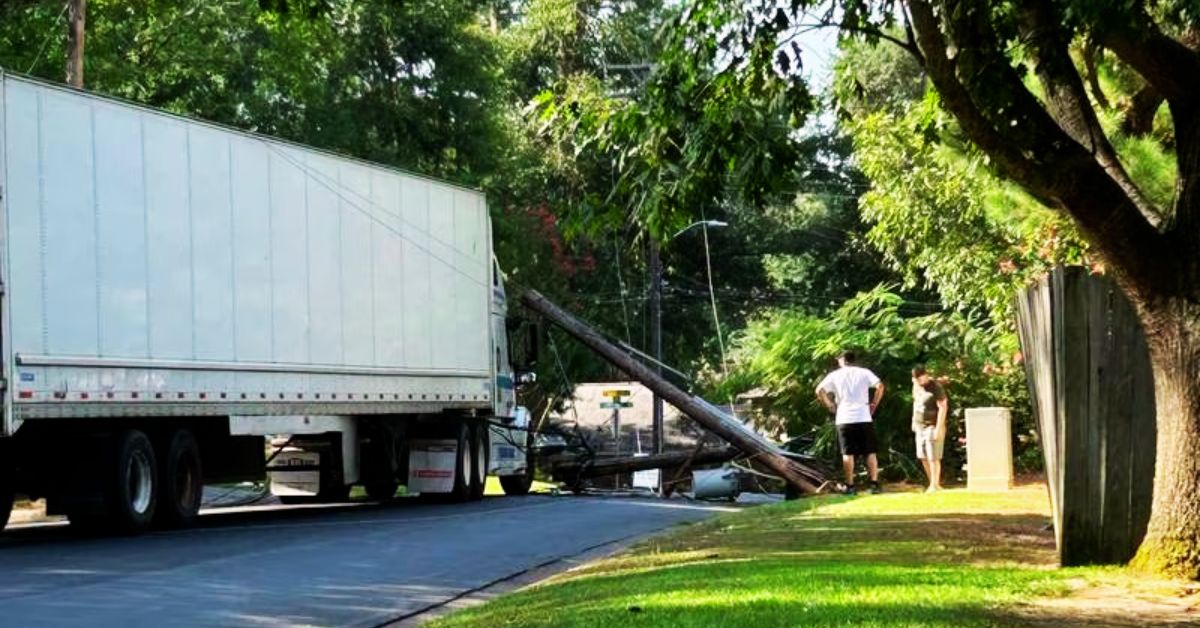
49	36
621	287
317	176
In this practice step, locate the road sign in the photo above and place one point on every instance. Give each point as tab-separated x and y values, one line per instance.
616	404
616	393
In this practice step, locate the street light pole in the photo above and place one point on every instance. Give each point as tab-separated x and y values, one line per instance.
656	343
656	290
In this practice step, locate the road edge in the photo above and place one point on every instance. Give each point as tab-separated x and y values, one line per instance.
513	582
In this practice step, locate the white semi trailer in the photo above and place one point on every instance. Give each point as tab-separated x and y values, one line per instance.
174	292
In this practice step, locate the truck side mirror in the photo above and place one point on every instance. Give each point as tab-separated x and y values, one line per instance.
523	343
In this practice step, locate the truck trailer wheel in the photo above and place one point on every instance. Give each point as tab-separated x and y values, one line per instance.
462	467
130	478
480	448
517	485
381	491
181	486
6	494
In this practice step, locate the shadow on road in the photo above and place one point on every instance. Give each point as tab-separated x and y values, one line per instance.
274	514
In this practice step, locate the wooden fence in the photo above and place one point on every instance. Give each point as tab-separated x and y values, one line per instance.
1093	395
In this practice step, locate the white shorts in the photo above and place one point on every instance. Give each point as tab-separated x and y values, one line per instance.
929	446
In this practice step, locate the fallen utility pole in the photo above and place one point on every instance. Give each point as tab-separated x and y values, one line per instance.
578	469
762	452
669	487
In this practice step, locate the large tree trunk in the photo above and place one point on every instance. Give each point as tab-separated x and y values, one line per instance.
1172	543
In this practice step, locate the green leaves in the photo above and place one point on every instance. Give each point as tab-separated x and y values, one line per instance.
783	354
402	83
942	219
699	132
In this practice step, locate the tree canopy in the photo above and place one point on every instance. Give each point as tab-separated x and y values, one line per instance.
1007	75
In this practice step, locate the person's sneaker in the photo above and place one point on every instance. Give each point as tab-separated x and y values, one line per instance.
876	488
850	490
931	489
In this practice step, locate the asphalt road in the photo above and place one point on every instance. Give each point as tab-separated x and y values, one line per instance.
347	566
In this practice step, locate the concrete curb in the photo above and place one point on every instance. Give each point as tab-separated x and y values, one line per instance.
514	582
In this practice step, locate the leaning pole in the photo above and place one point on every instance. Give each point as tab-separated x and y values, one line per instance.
762	452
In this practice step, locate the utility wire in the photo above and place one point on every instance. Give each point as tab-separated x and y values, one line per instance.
49	36
562	370
712	297
318	177
621	287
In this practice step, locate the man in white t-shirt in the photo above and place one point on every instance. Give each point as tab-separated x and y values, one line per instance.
847	393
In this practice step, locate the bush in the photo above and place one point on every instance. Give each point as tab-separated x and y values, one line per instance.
782	355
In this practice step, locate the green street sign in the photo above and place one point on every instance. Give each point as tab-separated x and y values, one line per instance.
616	404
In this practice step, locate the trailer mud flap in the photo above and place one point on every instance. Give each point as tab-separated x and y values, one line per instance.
431	466
296	473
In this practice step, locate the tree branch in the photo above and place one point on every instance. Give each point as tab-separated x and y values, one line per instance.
1138	120
1172	68
1090	51
910	46
979	86
1166	63
1040	27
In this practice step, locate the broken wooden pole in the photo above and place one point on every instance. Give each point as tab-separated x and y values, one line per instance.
668	487
761	450
628	464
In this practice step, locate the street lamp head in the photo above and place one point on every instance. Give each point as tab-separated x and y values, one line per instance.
706	223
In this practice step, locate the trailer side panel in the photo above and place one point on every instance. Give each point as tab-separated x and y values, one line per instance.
158	265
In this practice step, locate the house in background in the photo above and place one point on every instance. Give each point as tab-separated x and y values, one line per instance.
627	430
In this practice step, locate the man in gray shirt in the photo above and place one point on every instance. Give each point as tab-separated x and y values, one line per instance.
930	408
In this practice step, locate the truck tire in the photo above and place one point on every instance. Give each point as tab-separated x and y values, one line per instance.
479	458
462	467
181	485
130	480
381	491
6	495
517	485
334	494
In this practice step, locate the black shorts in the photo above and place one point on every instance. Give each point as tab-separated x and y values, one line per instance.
857	439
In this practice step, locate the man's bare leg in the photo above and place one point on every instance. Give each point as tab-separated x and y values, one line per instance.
848	468
935	478
928	471
873	467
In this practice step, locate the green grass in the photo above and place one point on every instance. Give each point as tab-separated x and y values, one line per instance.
953	558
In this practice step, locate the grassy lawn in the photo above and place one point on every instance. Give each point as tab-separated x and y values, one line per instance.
900	559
